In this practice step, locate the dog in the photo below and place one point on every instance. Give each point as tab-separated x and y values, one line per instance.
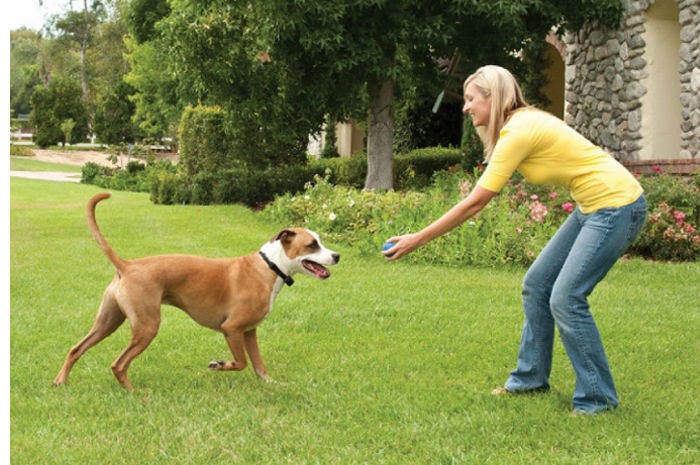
230	295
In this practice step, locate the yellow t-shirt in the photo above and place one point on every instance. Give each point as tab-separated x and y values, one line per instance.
547	151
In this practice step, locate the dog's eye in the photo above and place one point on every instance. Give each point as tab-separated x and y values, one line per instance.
314	245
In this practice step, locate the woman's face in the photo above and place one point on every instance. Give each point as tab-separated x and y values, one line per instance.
476	105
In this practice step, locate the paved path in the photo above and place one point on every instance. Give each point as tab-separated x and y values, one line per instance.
48	175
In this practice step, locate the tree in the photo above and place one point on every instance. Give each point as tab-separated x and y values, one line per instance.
157	103
218	53
24	52
78	27
114	113
336	57
142	17
52	106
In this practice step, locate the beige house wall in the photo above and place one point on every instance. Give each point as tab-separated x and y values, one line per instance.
349	139
661	105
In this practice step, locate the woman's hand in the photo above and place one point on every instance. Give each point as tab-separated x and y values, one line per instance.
403	245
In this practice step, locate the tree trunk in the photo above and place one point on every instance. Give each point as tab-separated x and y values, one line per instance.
380	136
83	51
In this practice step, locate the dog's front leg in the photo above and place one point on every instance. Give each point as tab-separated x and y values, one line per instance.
234	338
251	346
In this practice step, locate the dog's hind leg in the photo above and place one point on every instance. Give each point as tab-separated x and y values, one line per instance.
143	331
109	318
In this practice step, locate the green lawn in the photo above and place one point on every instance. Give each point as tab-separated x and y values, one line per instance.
381	364
29	164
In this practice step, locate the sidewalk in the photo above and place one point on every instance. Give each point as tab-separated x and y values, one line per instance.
47	175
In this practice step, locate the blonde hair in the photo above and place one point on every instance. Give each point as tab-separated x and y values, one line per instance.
506	97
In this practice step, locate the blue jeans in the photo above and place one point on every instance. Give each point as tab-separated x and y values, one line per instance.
555	292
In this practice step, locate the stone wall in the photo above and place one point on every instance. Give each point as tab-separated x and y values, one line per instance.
689	19
605	70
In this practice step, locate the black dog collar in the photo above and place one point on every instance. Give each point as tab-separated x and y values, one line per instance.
287	279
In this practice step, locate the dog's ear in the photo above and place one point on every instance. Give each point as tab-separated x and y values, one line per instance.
285	235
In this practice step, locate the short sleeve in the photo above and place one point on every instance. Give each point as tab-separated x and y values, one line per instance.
511	149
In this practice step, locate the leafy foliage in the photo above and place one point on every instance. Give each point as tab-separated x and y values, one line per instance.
113	122
512	229
142	17
281	68
158	105
25	47
671	232
52	106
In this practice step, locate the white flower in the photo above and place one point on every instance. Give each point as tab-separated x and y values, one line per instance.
332	217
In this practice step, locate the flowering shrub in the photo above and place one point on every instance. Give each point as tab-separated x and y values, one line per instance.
674	216
668	236
341	213
512	229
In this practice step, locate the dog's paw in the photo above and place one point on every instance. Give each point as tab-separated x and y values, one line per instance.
217	365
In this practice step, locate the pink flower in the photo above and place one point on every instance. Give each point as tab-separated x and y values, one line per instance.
657	169
534	197
553	195
538	211
679	216
567	207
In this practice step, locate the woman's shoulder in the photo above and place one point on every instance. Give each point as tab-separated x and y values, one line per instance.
535	119
532	114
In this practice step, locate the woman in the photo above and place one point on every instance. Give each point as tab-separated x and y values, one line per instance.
610	213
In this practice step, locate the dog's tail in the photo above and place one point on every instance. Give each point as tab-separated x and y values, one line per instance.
92	224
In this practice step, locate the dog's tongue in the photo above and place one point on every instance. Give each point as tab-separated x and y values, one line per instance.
319	270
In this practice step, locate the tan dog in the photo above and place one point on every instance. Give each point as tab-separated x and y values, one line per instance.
230	295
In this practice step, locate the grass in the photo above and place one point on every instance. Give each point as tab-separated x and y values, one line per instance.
27	164
380	364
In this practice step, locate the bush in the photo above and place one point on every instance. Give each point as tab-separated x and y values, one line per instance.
680	192
668	236
347	171
52	106
674	215
167	187
20	151
415	169
203	146
135	177
412	170
93	173
512	229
